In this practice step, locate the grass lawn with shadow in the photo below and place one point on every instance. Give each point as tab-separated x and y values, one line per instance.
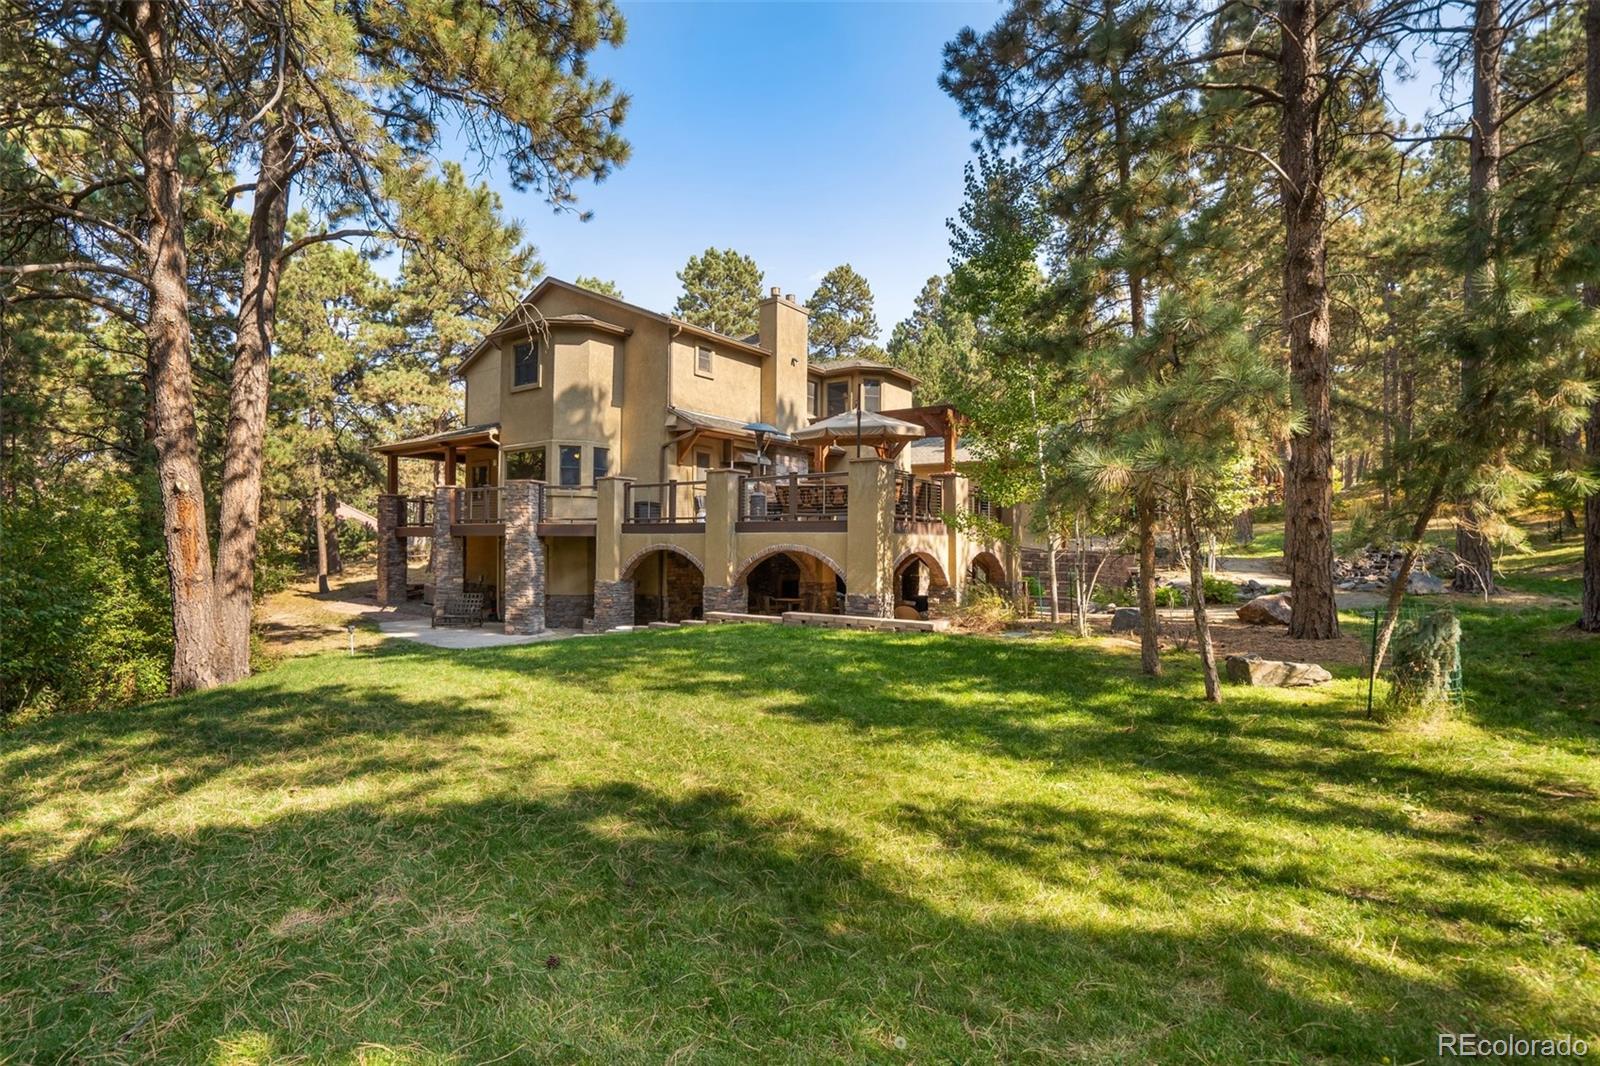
758	843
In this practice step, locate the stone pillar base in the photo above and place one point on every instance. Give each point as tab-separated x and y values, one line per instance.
734	598
521	503
391	552
613	604
867	606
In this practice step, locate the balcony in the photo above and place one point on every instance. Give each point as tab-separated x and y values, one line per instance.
664	507
918	503
568	512
789	501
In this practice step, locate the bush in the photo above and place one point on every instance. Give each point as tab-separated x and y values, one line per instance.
984	609
1219	590
83	605
1169	596
1426	656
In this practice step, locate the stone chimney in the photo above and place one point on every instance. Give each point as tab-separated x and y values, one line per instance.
784	327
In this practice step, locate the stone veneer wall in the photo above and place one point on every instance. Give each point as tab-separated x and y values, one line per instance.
613	604
525	562
449	553
391	552
1119	567
870	606
726	598
567	612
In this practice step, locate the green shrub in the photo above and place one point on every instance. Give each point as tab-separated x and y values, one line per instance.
83	604
1169	596
1219	589
1426	655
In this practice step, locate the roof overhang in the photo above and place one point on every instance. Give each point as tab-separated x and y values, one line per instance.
437	445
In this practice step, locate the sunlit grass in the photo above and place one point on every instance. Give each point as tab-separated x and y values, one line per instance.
741	844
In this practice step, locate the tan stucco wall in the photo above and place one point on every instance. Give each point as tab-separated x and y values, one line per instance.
482	380
570	563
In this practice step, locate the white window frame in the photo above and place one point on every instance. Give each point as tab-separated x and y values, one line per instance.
708	370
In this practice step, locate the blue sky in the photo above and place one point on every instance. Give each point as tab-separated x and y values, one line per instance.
804	135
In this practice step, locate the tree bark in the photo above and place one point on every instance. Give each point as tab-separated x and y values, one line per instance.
1475	569
1308	503
1402	577
1589	619
1149	624
319	519
335	560
173	429
1197	600
247	403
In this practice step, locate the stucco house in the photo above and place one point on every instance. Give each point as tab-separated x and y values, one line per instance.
621	466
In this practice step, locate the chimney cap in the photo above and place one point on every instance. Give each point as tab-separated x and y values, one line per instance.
790	297
776	290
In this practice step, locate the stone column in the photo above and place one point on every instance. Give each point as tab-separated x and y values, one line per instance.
868	580
722	544
449	552
520	505
613	597
391	551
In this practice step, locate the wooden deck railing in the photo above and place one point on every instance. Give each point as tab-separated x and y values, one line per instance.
417	511
674	502
918	499
794	498
481	504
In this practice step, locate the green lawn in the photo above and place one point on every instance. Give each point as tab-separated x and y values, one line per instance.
744	844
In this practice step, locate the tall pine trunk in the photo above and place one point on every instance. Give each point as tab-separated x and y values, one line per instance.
1475	555
1149	624
1197	600
1590	618
1144	504
319	519
1308	504
172	417
247	403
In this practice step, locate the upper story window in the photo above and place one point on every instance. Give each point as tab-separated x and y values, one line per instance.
525	364
571	466
872	394
602	463
838	397
526	464
812	388
702	362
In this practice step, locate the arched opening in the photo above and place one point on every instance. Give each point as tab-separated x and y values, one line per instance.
919	584
668	586
987	569
793	581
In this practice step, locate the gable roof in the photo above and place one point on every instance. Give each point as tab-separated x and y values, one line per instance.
516	323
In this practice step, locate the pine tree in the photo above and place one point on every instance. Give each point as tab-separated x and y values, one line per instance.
842	320
593	284
721	291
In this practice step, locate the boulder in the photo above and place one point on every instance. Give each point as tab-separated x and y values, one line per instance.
1266	610
1271	673
907	613
1422	583
1126	620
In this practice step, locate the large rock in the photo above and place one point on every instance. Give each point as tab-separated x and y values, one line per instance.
1271	673
1126	620
1422	583
1266	610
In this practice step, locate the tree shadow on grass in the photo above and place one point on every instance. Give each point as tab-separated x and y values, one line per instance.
1064	707
155	754
614	921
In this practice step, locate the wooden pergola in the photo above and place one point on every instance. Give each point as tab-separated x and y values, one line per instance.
445	447
939	420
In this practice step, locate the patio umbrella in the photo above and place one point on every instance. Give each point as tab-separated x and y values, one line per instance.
887	435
